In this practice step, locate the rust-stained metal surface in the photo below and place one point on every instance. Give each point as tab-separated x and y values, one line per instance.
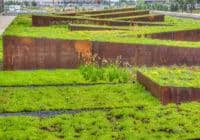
52	20
150	18
187	35
169	94
100	11
41	53
30	53
149	55
123	14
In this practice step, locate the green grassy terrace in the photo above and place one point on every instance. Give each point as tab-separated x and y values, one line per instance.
132	17
174	76
116	13
80	97
146	118
124	123
22	26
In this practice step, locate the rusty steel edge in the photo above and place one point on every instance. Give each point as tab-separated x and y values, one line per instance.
44	53
185	35
99	11
169	94
38	21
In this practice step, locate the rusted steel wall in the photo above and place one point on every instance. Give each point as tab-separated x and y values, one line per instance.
125	14
153	18
90	28
50	20
187	35
30	53
99	11
169	94
149	55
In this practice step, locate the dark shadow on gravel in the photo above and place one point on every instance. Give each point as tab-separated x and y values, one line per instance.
52	113
66	85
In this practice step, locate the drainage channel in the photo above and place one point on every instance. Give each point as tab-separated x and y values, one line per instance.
52	113
66	85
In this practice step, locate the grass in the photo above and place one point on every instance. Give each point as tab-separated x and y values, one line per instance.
111	73
140	16
174	76
41	77
22	27
128	123
86	74
101	26
116	13
62	98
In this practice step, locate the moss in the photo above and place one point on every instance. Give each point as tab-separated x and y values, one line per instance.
174	76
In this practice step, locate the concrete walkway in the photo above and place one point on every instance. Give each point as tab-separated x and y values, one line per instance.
177	14
4	22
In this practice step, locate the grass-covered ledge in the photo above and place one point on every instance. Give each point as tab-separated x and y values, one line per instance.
22	27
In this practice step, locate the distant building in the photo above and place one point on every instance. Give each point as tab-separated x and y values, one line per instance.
1	6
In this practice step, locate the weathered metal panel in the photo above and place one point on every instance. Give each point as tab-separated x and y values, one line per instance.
30	53
169	94
187	35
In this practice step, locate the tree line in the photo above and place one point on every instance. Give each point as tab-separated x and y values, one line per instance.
170	5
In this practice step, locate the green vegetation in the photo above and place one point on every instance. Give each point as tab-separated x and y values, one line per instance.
22	26
100	11
139	122
100	26
116	13
41	77
140	16
64	77
174	76
111	73
87	97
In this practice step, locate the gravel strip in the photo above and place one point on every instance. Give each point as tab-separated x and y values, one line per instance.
66	85
52	113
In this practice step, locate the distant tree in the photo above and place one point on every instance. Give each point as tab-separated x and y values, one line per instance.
34	3
26	3
140	4
183	5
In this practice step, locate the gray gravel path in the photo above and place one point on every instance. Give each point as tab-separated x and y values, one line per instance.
52	113
177	14
4	22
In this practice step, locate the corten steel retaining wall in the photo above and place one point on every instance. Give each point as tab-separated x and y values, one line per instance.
32	53
169	94
90	28
126	14
149	55
153	18
187	35
21	53
50	20
100	11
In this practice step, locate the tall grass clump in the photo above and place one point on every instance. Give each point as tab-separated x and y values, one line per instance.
105	71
